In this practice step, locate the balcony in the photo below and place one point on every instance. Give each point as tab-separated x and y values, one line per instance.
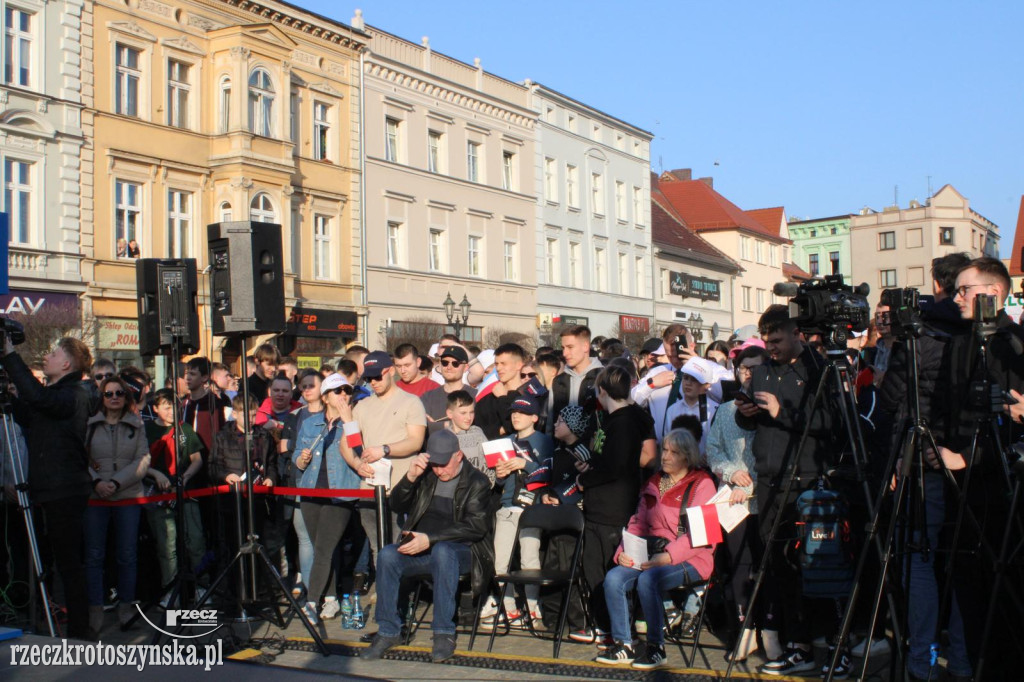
25	261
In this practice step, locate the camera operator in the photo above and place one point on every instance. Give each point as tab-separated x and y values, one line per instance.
54	418
783	392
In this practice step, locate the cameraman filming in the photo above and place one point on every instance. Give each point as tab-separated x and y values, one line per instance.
54	418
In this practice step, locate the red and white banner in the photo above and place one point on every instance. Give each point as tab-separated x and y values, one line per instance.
353	436
498	450
705	528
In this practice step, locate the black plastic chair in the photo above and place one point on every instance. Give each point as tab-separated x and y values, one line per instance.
548	519
674	634
413	622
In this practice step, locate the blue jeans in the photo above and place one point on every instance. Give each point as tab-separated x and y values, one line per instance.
650	586
126	536
444	562
923	615
305	544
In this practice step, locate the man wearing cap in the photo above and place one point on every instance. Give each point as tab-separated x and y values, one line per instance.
444	536
660	387
698	375
393	425
453	363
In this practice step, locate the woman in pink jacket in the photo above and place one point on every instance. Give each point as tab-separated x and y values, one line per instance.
673	562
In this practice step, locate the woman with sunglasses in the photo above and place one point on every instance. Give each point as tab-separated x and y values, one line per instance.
319	457
118	459
310	381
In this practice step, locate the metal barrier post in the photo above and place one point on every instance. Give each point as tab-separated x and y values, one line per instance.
380	497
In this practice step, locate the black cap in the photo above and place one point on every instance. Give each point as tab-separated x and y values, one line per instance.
441	446
526	404
375	363
457	352
650	345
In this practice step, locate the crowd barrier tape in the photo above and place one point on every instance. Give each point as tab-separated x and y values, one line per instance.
345	493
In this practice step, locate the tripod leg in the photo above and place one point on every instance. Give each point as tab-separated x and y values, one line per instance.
269	566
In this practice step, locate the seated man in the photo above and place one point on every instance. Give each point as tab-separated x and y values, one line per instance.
443	537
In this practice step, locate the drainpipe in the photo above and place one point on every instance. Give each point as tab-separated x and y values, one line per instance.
362	192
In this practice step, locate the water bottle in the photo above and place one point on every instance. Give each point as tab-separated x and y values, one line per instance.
346	613
358	620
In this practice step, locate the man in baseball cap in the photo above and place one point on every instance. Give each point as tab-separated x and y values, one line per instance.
375	364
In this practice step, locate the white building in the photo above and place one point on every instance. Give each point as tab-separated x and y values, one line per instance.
593	210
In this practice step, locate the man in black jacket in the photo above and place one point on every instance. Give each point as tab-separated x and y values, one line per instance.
574	385
54	418
444	537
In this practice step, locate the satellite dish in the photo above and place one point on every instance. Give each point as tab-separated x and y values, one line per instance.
714	331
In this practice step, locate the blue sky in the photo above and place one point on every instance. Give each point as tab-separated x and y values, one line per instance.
822	107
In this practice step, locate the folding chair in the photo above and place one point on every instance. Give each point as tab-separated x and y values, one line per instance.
413	623
675	636
548	519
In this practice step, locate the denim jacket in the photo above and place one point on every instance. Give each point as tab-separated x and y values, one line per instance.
339	474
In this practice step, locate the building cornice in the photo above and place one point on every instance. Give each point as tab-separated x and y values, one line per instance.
569	102
322	29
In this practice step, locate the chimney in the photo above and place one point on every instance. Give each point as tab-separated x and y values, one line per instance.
709	181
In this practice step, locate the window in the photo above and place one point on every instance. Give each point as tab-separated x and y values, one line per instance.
474	256
434	151
551	260
435	250
128	210
761	295
575	271
18	199
812	261
623	274
833	259
887	278
394	244
261	103
773	255
620	201
294	103
572	123
321	247
321	130
759	251
600	284
508	161
597	193
391	131
638	205
641	279
126	89
746	298
745	248
510	261
261	210
178	90
886	241
225	104
18	47
834	230
946	235
179	224
550	181
915	277
225	212
473	161
785	254
572	186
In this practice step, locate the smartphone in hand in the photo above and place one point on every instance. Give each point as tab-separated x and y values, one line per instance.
405	538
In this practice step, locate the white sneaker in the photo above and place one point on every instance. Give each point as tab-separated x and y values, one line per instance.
878	646
332	607
309	611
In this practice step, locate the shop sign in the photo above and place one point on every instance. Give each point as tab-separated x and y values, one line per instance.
694	286
318	322
117	334
23	302
308	362
630	324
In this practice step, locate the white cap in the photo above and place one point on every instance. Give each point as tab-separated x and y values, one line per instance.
485	358
700	369
434	350
332	382
660	350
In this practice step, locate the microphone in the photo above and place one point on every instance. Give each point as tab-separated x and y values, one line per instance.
786	289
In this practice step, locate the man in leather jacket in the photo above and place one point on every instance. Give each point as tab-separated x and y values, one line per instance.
444	537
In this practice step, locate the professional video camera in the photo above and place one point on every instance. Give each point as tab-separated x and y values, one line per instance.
904	316
15	331
827	307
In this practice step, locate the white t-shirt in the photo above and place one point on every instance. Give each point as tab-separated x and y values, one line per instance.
680	407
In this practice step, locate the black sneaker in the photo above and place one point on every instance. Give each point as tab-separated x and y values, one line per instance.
444	648
653	657
379	647
619	653
793	661
843	667
688	628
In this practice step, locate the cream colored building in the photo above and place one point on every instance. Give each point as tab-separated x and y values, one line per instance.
449	192
199	111
895	247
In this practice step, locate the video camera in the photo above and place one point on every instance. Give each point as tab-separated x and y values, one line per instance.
904	316
827	307
9	329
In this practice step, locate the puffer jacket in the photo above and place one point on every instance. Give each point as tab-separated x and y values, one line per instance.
118	452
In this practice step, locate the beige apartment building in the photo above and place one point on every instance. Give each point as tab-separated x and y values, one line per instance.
450	203
895	247
200	111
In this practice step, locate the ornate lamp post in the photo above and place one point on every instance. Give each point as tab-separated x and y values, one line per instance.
455	320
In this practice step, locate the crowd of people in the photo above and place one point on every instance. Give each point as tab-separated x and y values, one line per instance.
631	440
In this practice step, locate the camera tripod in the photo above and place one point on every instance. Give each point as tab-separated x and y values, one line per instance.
837	375
20	485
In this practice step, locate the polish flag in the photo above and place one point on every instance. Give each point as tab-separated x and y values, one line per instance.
484	389
353	436
705	528
498	450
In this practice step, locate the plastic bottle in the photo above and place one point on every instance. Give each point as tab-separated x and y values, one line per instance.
346	613
358	619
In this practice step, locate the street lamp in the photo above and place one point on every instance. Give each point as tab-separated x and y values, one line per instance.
455	321
695	322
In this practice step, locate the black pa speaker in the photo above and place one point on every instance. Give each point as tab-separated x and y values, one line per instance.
168	305
246	278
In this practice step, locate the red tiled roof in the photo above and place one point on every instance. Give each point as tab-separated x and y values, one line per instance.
704	209
1018	243
667	230
794	272
771	218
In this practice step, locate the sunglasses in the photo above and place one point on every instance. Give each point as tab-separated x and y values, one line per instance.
347	390
101	376
450	363
374	380
527	375
113	394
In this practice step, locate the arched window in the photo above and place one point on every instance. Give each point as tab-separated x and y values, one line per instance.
225	104
225	212
261	210
261	103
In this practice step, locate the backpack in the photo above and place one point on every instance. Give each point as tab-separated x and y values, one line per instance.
824	547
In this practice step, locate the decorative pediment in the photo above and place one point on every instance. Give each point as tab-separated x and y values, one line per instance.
131	28
184	44
271	34
326	88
